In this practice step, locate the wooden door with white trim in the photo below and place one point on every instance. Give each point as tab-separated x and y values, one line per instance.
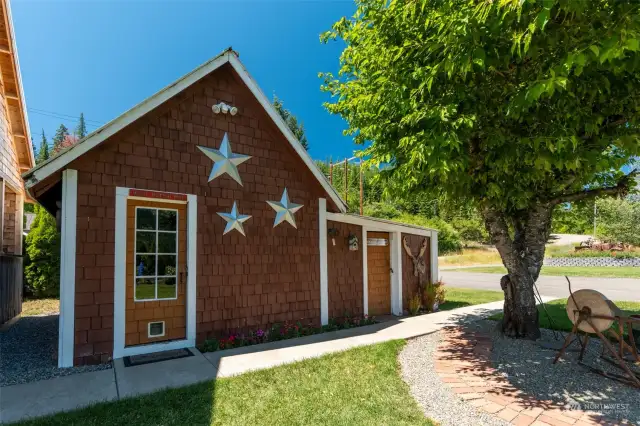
379	273
156	272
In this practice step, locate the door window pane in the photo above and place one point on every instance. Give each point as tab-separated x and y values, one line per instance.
146	242
145	288
146	218
166	242
145	265
166	265
167	220
167	288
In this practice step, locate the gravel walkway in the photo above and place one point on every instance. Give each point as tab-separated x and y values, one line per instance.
530	368
28	352
434	397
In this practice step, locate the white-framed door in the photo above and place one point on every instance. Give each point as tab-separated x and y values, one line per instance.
153	204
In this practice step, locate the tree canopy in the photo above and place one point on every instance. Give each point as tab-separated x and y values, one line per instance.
296	127
515	105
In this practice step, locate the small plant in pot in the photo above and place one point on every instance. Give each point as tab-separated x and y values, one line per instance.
415	304
433	296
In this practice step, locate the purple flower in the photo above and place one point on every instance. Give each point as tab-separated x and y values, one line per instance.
260	333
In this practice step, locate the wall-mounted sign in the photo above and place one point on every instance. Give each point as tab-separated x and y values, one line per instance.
377	242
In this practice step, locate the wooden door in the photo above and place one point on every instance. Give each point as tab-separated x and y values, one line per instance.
379	274
156	272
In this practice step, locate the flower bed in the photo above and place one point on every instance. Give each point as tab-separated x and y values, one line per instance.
284	331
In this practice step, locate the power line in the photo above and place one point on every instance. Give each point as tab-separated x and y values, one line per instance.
64	117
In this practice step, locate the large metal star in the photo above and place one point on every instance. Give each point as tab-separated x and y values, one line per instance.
224	160
284	210
234	220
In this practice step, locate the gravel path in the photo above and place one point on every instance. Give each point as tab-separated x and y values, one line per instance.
28	349
530	368
434	397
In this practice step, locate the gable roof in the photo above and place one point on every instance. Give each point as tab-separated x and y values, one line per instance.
58	162
11	83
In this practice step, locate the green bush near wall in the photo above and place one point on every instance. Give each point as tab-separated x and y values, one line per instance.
42	274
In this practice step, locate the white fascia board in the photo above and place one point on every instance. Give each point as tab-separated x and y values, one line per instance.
51	166
282	126
382	226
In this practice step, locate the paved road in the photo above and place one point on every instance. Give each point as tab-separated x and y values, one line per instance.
613	288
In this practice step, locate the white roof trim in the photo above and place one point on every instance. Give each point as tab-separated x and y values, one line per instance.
65	157
382	225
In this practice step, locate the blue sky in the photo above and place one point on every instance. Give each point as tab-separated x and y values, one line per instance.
103	57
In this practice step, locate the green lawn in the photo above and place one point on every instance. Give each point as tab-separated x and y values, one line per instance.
557	311
360	386
459	297
575	271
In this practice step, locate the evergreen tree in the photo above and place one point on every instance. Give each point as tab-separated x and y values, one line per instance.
43	251
81	129
59	137
43	151
292	122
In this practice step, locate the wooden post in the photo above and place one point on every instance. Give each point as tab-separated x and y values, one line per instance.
331	172
361	189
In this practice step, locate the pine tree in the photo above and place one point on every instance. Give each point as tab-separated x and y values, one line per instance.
42	273
292	122
81	129
59	137
43	151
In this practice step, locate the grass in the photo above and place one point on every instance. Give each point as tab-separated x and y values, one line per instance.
359	386
31	307
560	320
459	297
470	257
575	271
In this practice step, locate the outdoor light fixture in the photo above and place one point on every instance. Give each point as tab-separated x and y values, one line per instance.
224	108
333	233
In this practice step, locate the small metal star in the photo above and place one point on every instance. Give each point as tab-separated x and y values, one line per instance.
224	160
284	210
234	220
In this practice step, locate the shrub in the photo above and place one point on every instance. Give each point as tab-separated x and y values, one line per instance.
448	237
429	296
471	229
441	292
617	221
604	253
42	274
415	303
381	210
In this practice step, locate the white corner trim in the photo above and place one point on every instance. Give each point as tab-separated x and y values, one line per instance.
282	126
120	273
396	276
365	273
120	279
192	271
68	268
380	225
324	274
434	258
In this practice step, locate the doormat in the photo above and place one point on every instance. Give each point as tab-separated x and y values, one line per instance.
132	361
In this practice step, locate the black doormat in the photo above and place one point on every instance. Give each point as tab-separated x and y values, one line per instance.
132	361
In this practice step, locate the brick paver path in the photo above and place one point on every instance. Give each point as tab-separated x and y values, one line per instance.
463	362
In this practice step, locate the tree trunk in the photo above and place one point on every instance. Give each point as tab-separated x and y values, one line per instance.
522	255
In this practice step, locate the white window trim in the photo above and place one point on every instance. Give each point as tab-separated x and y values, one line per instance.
66	322
156	254
120	279
324	273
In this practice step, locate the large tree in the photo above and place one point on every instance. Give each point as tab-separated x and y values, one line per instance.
518	105
43	151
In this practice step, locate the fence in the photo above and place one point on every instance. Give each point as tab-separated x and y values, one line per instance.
10	287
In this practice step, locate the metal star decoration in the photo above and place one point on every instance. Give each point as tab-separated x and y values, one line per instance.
284	210
234	220
225	161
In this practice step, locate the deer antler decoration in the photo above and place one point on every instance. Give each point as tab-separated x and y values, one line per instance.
419	267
